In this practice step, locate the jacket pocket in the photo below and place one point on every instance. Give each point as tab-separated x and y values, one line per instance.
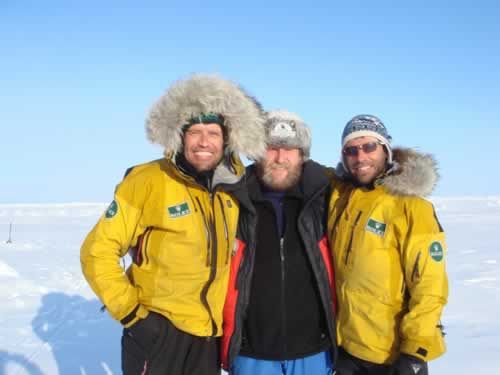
350	244
141	250
369	322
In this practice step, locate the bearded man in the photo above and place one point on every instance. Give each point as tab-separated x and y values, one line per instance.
279	310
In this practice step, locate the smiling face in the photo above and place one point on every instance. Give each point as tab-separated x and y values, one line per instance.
365	167
281	168
204	146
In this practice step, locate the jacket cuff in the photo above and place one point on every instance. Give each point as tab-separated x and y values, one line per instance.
139	312
415	349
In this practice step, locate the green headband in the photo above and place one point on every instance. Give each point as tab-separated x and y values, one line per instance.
209	118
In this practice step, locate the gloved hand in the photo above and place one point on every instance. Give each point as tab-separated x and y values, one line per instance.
409	365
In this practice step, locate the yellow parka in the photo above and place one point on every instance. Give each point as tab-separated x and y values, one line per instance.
180	236
389	257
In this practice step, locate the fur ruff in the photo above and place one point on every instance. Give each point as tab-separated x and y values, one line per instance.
413	173
243	117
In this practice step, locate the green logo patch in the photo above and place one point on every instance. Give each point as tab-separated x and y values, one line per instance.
436	251
179	210
376	227
112	210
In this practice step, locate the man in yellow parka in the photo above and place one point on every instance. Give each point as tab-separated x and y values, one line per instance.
389	255
177	219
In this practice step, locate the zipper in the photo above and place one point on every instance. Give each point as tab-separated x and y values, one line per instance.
349	246
208	234
212	249
416	273
142	246
226	231
327	302
283	309
138	249
242	302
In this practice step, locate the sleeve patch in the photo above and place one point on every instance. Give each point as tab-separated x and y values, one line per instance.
436	251
112	210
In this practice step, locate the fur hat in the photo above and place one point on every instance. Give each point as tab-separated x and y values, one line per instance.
287	129
207	95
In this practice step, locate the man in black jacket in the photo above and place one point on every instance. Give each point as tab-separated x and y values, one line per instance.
279	311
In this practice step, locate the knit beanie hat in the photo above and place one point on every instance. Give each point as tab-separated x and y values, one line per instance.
368	126
286	129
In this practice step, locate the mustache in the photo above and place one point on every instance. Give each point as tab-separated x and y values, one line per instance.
275	165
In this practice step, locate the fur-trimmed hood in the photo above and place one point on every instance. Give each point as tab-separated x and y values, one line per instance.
206	94
412	173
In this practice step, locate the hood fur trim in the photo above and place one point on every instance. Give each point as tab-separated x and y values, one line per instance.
412	173
243	116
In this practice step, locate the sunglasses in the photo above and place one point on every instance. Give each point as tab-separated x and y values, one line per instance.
366	147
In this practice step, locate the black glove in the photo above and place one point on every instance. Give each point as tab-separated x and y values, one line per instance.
409	365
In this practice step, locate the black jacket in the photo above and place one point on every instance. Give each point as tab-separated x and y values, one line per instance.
280	302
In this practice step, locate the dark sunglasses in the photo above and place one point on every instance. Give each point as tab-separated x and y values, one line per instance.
366	147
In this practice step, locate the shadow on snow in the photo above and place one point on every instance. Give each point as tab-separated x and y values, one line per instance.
83	339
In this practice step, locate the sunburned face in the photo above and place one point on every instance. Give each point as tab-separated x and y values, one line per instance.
365	159
281	168
204	146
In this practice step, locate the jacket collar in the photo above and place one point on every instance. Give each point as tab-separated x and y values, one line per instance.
314	177
412	174
229	171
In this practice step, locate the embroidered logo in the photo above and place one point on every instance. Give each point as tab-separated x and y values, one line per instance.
283	129
436	251
416	367
178	210
376	227
112	210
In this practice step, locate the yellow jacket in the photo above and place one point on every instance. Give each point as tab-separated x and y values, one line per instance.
180	237
389	258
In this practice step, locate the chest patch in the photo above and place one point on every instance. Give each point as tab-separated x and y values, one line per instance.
178	210
376	227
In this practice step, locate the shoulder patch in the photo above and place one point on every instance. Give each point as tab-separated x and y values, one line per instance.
112	210
436	251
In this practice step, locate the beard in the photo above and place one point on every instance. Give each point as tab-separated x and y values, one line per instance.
368	178
265	173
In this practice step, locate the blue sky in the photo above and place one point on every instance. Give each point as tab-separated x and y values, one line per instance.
77	79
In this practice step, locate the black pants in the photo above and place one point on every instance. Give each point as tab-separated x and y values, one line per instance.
350	365
154	346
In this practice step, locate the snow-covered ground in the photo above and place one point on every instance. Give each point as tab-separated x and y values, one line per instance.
50	321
